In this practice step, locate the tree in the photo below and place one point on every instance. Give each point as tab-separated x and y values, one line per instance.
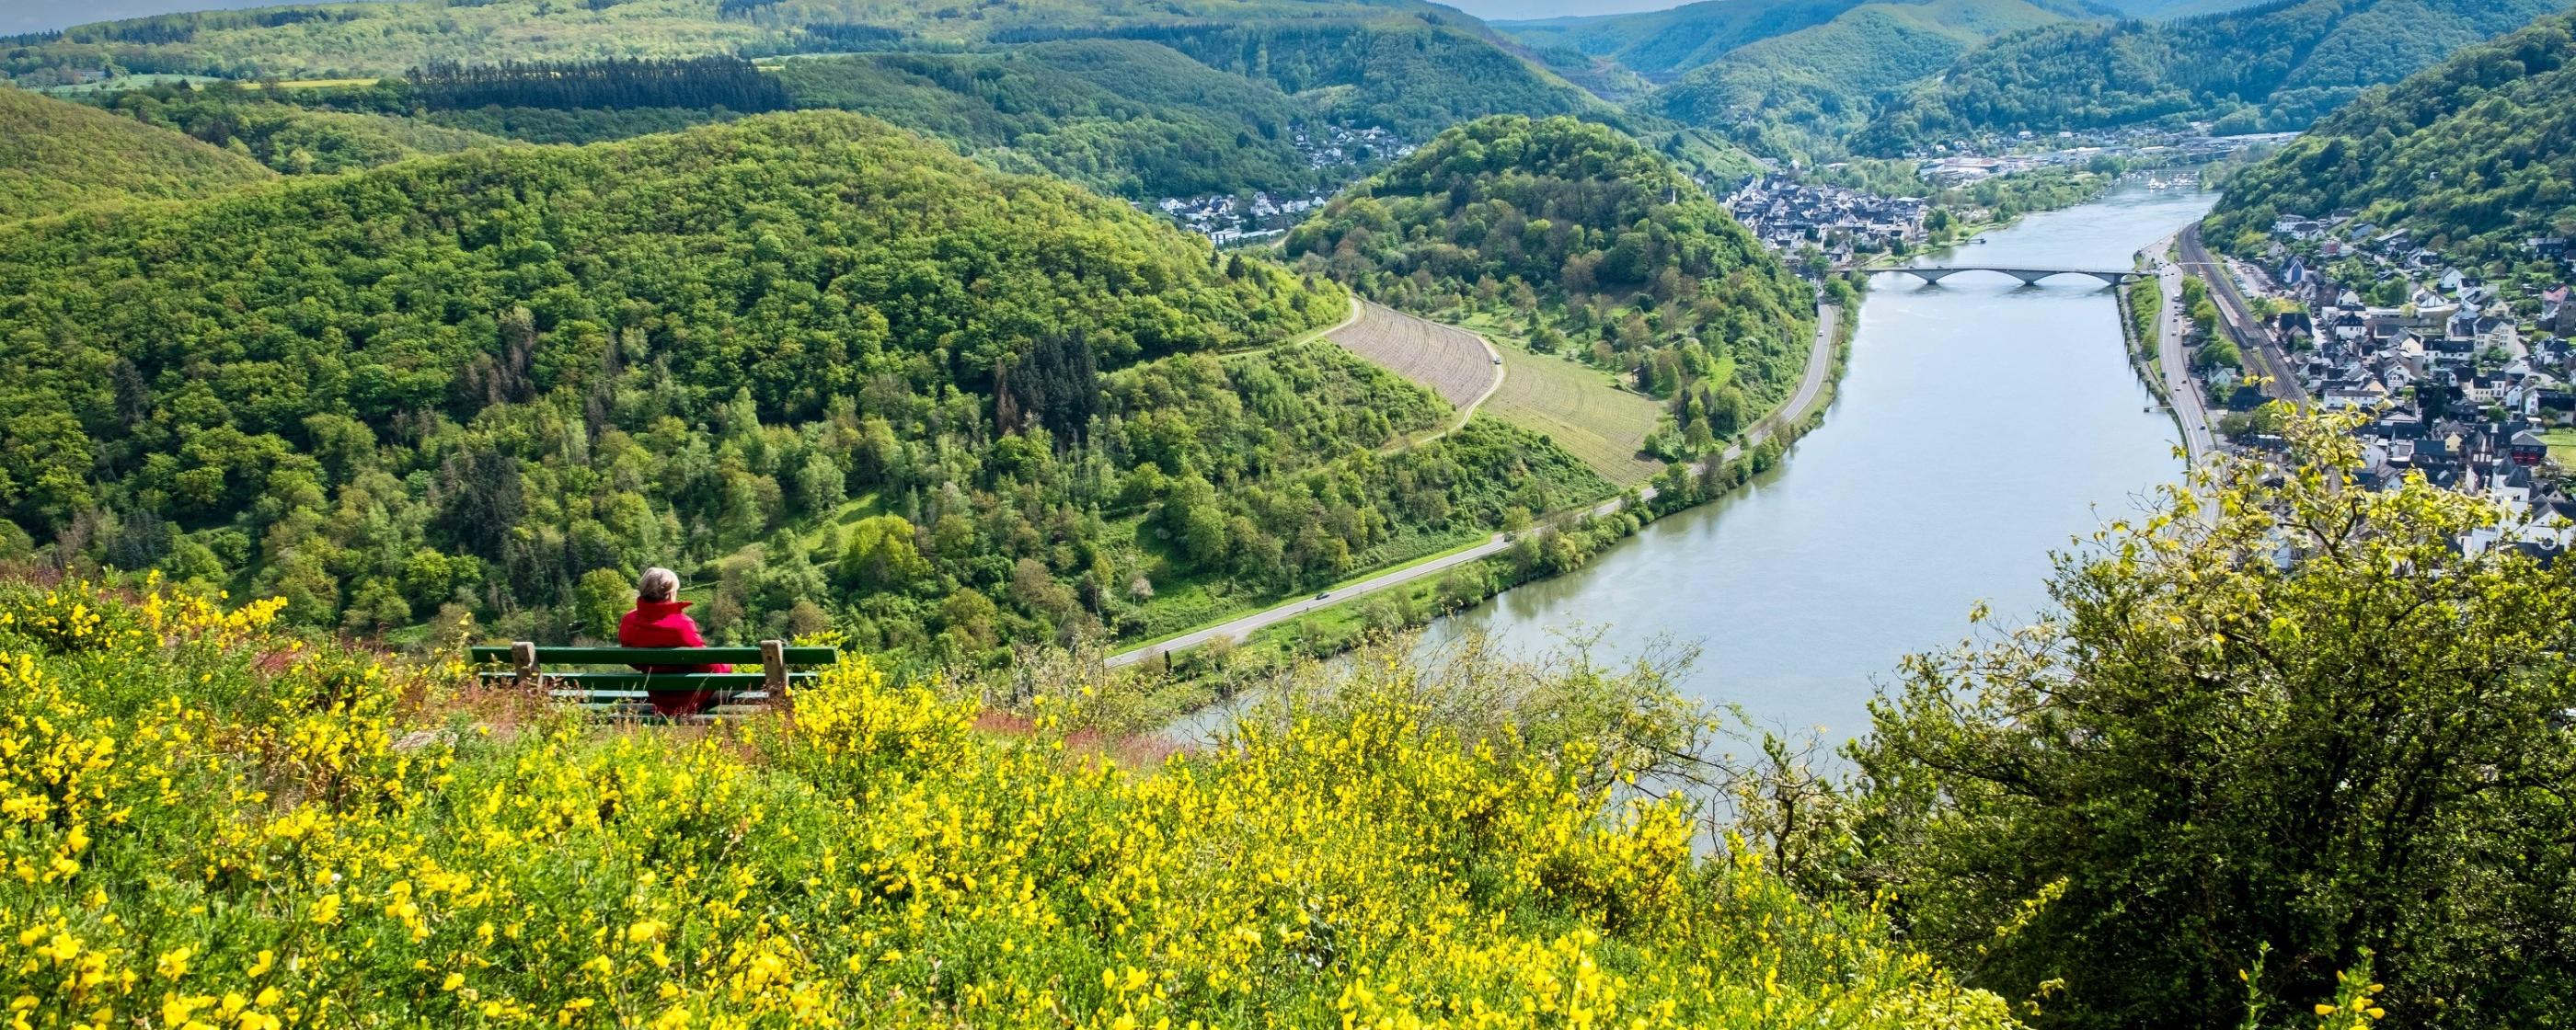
2293	717
882	558
599	600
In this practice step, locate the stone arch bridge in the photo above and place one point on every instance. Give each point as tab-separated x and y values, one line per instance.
2029	276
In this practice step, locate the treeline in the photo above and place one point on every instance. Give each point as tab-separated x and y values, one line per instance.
2474	156
1127	118
699	82
2270	68
1595	244
182	28
291	138
1412	75
495	385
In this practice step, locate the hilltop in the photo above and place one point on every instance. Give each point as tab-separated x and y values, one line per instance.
1581	242
1800	93
1664	44
834	371
55	156
2269	68
2471	156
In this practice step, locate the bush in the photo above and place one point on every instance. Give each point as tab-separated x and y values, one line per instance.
211	823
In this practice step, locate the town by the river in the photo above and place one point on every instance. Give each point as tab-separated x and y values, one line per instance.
1981	425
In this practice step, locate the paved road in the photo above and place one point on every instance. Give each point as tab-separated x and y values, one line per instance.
2238	316
1820	365
2190	408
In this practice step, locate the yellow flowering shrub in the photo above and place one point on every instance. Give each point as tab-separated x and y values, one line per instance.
205	823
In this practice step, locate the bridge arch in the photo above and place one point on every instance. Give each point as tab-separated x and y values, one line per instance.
1933	274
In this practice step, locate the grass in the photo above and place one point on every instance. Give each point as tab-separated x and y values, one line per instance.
1240	608
1579	407
2562	445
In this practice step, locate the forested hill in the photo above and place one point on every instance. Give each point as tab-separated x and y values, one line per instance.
2474	155
1591	244
1388	62
2270	68
1800	93
56	155
1664	44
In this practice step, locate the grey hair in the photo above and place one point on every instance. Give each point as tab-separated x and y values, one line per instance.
657	584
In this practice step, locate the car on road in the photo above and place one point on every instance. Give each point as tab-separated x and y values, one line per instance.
1323	595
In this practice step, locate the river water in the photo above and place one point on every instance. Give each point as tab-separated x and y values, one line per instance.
1979	426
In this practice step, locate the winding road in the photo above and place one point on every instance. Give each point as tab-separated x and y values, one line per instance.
1811	388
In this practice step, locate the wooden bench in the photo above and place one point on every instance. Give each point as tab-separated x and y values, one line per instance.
622	691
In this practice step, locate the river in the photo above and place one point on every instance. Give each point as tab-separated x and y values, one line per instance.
1979	426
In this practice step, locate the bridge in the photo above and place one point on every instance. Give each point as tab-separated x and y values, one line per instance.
2029	276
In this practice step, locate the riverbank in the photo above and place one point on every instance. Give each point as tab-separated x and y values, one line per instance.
1978	425
1210	663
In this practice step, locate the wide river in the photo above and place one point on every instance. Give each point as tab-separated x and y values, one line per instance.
1980	426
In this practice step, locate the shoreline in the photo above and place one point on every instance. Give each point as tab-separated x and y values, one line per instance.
1763	444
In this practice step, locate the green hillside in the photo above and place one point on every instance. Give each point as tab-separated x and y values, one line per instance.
1415	73
293	138
2474	155
2274	67
56	155
1799	93
760	352
1665	44
1124	117
1586	243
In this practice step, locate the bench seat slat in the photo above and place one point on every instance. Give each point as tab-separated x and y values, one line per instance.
640	697
660	680
654	655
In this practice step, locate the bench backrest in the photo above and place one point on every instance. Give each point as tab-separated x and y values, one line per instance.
531	665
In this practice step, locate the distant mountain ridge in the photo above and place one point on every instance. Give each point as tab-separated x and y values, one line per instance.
1797	94
2273	67
2475	155
1665	44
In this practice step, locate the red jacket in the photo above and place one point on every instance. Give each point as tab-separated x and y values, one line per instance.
664	624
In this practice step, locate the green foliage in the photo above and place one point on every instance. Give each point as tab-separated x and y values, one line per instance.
1667	43
214	822
1413	74
1574	228
2280	727
1128	118
470	381
2474	153
293	138
1798	94
55	156
2274	67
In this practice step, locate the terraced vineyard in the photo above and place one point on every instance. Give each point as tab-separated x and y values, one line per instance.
1578	408
1446	360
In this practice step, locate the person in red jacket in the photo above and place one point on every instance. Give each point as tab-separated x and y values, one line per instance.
660	620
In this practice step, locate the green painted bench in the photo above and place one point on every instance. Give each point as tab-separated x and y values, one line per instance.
565	673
